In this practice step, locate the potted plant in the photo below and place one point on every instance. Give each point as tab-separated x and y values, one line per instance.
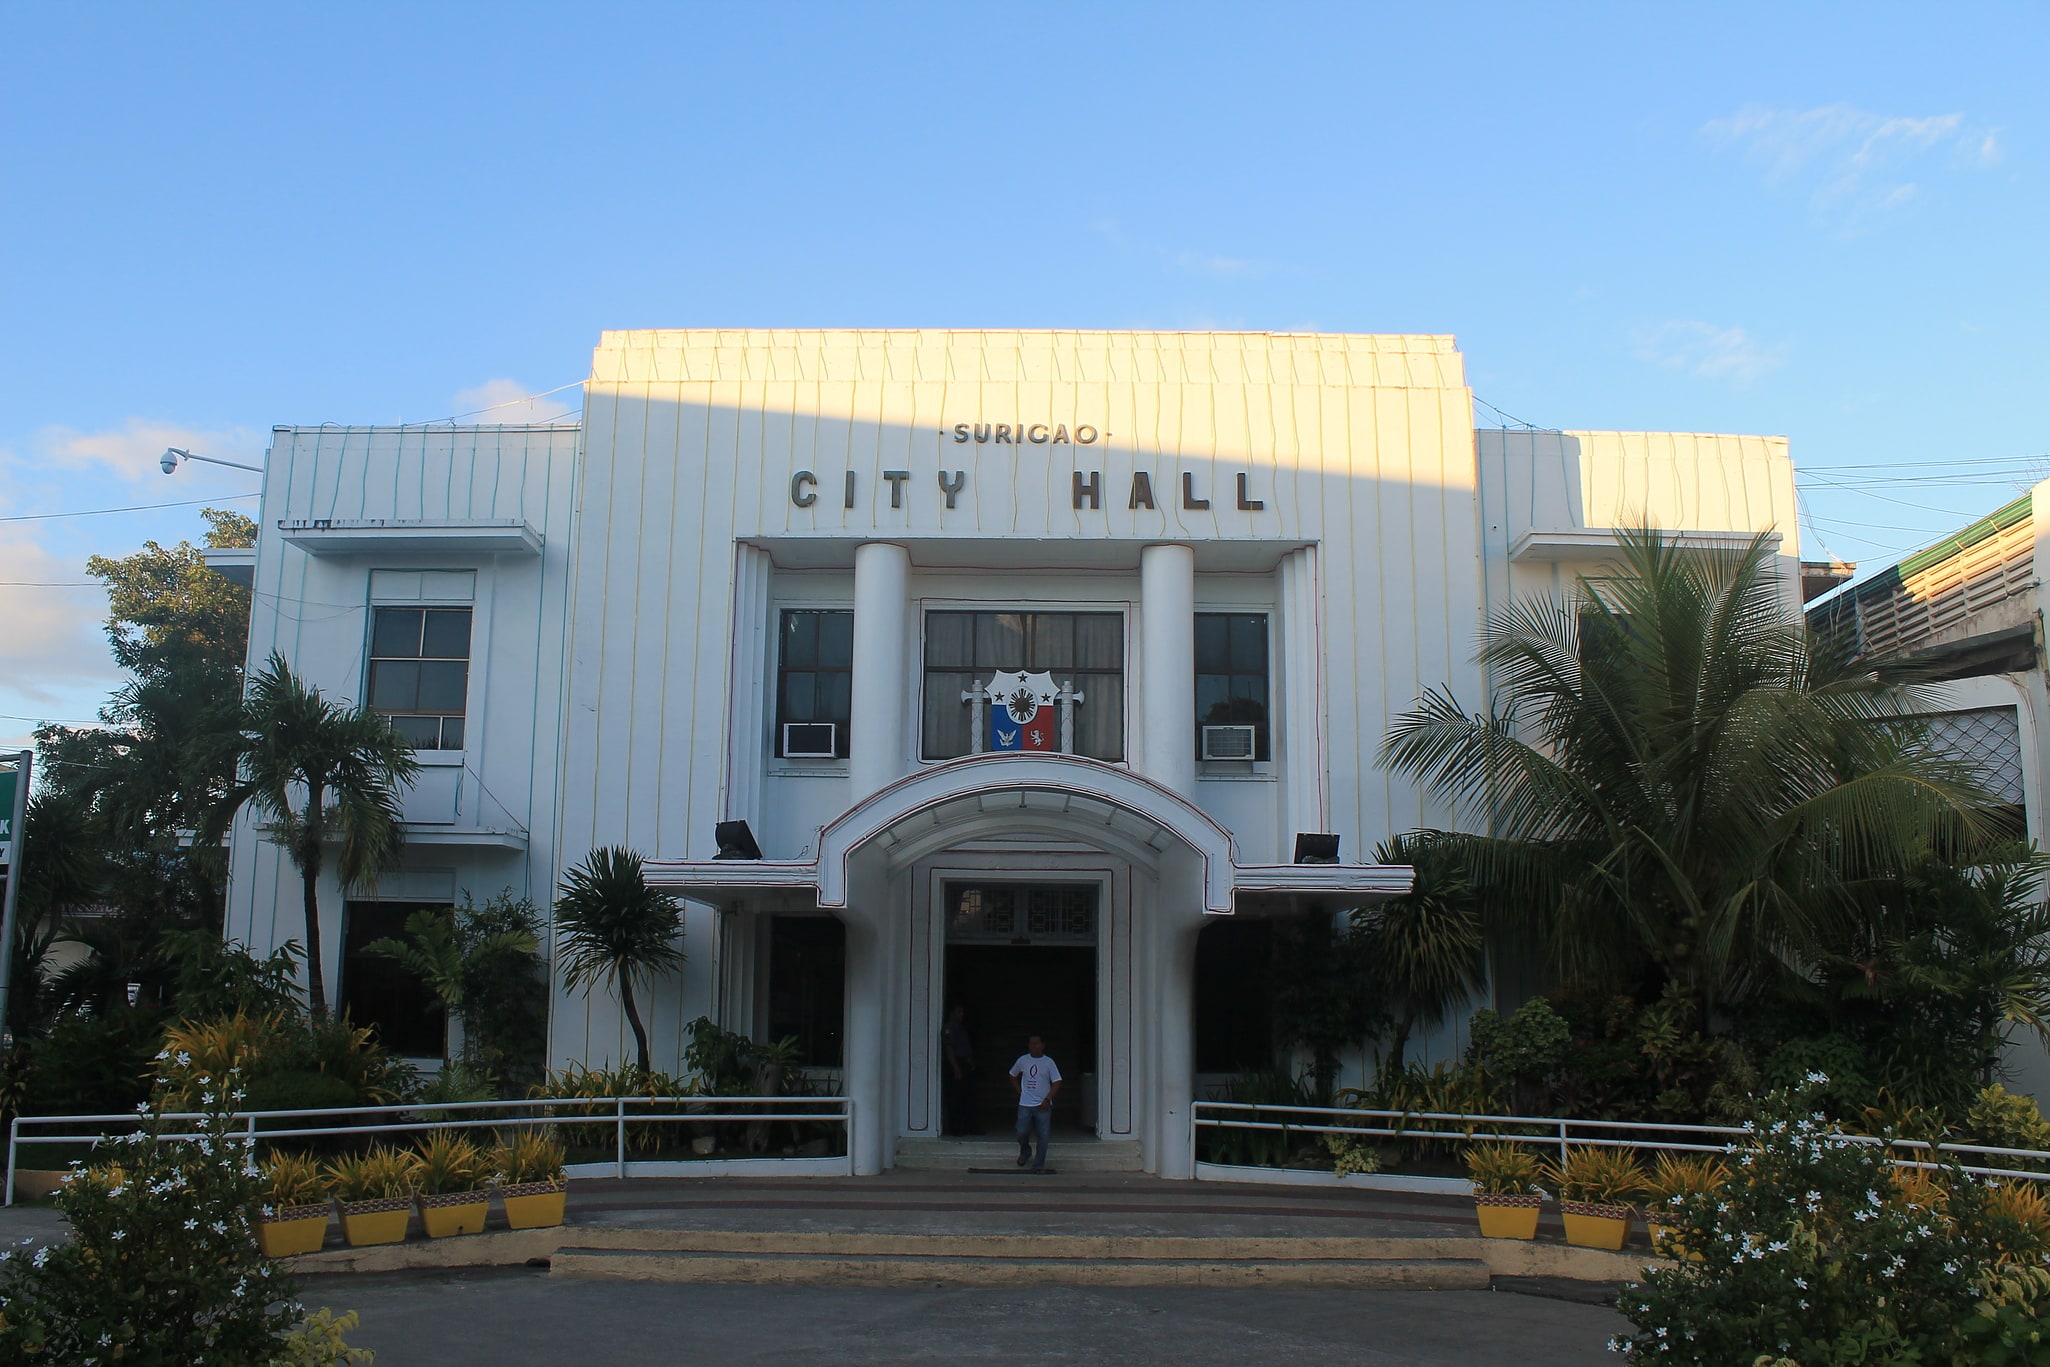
453	1195
1596	1186
1506	1194
294	1215
529	1167
1672	1177
375	1191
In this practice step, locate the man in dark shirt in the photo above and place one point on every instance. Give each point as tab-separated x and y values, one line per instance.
957	1076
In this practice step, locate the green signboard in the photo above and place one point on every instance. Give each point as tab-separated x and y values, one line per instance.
7	779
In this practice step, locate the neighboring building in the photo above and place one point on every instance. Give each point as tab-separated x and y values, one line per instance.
1028	658
1969	612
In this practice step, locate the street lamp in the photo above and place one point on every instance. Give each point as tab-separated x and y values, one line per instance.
174	454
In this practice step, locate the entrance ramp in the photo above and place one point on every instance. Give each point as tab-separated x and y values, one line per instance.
1045	1260
998	1156
976	1229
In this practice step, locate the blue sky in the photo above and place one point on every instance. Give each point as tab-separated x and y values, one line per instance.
1822	221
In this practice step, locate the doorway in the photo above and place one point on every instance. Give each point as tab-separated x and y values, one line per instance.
1021	961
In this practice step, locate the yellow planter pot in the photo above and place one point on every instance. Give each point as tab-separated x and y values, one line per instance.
376	1222
1508	1217
1665	1241
535	1205
452	1213
292	1230
1595	1226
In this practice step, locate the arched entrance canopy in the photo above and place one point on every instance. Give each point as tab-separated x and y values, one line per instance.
1059	796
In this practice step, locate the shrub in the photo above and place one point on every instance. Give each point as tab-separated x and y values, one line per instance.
161	1266
291	1062
596	1084
1675	1174
1259	1148
292	1179
1503	1169
1598	1176
450	1163
91	1065
381	1174
317	1341
1816	1252
1999	1119
527	1156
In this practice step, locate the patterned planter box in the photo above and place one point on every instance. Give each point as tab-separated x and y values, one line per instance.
1508	1217
288	1231
1593	1225
382	1221
454	1212
535	1205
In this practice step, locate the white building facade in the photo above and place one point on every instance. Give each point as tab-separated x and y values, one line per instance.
1025	657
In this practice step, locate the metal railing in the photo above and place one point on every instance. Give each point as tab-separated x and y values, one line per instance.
366	1122
1557	1132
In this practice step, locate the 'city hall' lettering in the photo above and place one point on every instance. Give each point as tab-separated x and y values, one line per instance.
1088	489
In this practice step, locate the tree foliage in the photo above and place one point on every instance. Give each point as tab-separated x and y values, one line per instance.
616	929
312	769
483	965
1679	781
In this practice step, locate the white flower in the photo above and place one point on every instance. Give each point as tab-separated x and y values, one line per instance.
118	1234
42	1256
1818	1077
183	1058
192	1224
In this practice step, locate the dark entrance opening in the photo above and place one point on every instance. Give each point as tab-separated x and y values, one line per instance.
1021	961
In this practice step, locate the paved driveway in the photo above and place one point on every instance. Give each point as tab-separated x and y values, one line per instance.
519	1317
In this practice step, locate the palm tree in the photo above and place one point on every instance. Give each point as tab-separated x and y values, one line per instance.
616	928
345	767
1678	778
1422	951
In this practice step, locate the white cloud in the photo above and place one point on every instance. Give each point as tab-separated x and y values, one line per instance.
53	654
1854	160
1710	352
511	403
130	453
1203	263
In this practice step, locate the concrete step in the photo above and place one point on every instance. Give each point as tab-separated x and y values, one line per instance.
1219	1269
963	1155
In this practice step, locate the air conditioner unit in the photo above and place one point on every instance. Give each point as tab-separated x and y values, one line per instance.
1230	742
810	739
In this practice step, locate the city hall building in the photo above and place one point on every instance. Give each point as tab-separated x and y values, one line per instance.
1037	672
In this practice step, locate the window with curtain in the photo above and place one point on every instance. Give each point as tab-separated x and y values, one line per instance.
1085	650
420	673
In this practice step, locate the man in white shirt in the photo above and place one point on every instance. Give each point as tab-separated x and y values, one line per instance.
1036	1080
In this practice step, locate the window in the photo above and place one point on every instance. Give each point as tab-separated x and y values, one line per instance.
381	992
420	672
1234	996
808	986
815	673
1085	650
1231	674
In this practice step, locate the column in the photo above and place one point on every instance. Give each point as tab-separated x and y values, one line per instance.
882	691
1167	654
1299	734
866	1046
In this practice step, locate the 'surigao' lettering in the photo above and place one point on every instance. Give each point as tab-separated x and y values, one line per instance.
1017	434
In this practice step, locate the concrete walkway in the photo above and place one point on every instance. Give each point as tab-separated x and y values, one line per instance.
517	1318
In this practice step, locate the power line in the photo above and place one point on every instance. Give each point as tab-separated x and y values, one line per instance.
130	508
509	403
